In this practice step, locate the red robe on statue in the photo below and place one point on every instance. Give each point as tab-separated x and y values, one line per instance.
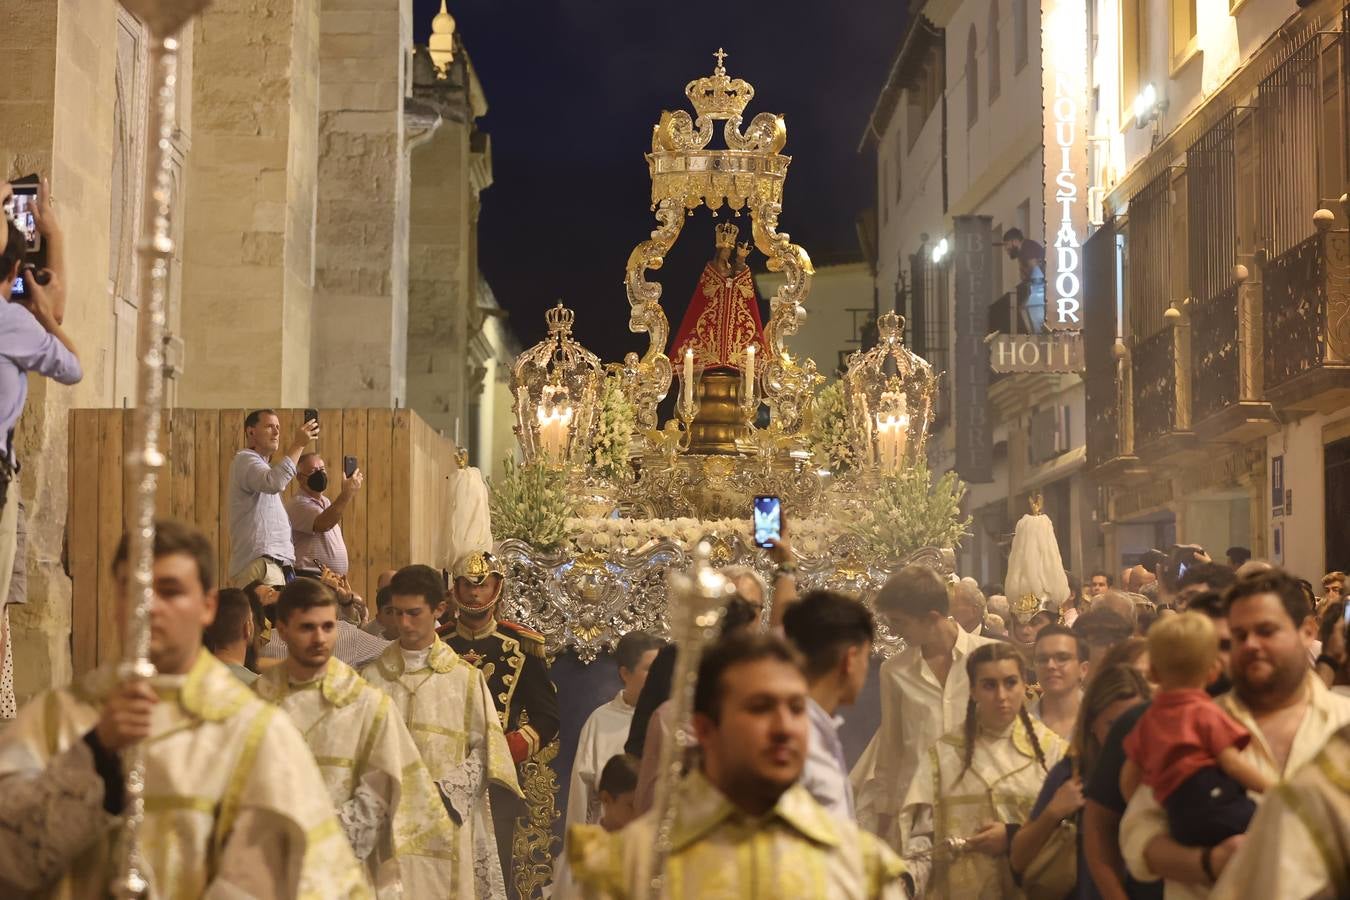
722	320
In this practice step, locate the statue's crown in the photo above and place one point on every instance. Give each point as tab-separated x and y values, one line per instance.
726	235
716	96
560	319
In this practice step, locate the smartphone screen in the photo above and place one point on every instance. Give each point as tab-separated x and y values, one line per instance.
768	520
349	466
24	202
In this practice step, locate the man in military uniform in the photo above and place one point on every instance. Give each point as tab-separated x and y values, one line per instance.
511	658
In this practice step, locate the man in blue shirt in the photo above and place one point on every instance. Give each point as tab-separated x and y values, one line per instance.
31	340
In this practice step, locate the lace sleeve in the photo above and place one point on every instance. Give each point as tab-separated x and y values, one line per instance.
362	817
463	787
48	818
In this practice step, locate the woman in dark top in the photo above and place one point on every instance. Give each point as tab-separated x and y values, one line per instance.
1111	693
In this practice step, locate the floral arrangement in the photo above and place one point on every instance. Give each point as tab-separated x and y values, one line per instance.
809	536
531	504
613	437
908	512
829	432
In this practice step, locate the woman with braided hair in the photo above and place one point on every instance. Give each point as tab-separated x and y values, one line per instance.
977	785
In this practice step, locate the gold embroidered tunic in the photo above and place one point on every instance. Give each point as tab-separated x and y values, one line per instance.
234	805
387	804
447	708
1001	785
797	850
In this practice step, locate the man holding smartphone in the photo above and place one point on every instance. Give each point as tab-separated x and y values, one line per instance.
316	521
260	531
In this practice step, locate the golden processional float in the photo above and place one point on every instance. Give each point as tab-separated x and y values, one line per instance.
590	538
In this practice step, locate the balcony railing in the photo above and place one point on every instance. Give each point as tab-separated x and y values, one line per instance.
1215	359
1306	323
1158	412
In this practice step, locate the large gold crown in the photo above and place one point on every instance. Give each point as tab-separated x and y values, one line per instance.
716	96
726	235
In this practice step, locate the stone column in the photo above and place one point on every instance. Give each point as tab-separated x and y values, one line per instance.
248	258
361	294
448	173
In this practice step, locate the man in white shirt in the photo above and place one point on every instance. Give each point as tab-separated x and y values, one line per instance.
1287	709
604	733
834	633
924	691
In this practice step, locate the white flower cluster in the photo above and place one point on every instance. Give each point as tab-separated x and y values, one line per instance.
809	536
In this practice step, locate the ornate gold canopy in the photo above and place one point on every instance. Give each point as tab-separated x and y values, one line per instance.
747	175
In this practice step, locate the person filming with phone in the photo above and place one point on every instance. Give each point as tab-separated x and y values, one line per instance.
316	521
31	340
261	548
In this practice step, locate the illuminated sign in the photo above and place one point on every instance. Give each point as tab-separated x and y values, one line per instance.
1058	352
1064	86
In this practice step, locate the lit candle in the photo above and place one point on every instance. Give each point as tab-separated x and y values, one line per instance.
554	424
687	388
748	390
892	431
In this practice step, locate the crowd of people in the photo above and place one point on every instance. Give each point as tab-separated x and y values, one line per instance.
1186	734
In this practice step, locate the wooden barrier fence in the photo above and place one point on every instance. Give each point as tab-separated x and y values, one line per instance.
400	516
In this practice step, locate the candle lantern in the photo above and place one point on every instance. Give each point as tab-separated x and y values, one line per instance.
558	387
890	393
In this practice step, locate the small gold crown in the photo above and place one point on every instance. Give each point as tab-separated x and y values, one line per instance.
726	235
560	320
717	96
1026	606
890	326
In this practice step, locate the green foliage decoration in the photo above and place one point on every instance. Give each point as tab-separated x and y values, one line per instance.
530	503
908	512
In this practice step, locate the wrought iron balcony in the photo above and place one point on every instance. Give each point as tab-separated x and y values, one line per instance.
1306	322
1226	397
1161	373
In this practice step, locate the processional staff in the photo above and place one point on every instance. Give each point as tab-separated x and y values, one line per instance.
698	598
163	20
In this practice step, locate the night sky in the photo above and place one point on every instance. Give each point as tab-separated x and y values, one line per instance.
574	88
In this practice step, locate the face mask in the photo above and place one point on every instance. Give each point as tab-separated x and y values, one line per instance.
317	481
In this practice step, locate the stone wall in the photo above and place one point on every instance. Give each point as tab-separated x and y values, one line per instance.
361	294
71	55
250	205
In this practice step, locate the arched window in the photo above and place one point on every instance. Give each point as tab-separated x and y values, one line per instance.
995	52
972	80
1019	24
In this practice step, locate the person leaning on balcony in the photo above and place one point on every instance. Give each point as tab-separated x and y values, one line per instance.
1030	257
260	531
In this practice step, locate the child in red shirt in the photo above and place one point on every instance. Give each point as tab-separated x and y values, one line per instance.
1187	749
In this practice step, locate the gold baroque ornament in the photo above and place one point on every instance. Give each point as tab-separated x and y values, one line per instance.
532	837
748	174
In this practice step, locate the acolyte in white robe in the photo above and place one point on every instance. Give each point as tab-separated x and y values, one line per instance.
1001	785
447	707
602	737
387	804
234	805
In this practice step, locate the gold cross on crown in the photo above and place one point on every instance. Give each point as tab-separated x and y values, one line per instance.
721	57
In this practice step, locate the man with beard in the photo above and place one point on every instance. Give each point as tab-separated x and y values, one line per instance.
742	825
387	804
511	658
1275	696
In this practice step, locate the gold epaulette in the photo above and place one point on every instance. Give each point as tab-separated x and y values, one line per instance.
531	641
